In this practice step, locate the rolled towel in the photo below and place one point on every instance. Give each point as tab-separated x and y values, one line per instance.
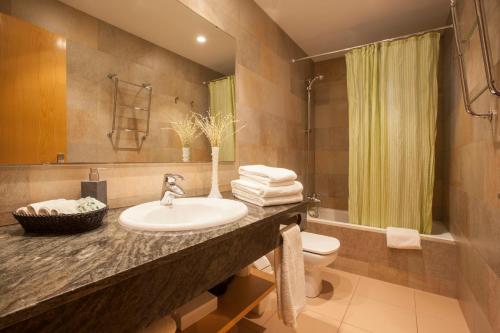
263	191
64	207
273	174
22	211
263	202
290	278
265	181
402	238
42	207
89	204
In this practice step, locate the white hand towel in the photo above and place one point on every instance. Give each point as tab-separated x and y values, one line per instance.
265	181
273	174
290	278
263	202
402	238
264	191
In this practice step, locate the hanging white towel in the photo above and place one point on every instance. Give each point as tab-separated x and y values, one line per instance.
264	202
403	238
266	181
290	278
273	174
264	191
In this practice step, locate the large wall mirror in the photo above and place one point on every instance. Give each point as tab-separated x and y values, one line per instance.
92	81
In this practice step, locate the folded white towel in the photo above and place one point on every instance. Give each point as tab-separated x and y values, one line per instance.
265	181
264	191
402	238
273	174
263	202
290	278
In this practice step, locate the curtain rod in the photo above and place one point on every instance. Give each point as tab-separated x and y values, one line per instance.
450	26
217	79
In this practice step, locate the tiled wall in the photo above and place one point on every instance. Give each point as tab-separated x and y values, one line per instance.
96	49
332	139
474	176
270	101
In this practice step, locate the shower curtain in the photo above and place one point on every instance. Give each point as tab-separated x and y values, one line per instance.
223	102
392	95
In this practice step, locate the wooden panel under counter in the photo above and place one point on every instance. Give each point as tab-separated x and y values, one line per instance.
32	93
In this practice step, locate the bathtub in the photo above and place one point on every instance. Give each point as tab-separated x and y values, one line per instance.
363	250
340	218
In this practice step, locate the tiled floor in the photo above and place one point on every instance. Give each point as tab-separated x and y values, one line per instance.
351	303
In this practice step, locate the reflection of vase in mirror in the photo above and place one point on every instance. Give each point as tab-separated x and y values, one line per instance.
185	154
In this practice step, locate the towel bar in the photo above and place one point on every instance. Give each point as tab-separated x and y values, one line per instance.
461	66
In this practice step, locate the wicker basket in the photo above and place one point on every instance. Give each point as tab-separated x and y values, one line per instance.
62	224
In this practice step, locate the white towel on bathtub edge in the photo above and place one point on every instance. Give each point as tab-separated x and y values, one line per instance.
403	238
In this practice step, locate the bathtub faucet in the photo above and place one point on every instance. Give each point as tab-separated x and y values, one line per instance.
313	206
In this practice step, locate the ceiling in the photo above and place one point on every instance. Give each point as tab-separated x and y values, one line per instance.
169	24
319	26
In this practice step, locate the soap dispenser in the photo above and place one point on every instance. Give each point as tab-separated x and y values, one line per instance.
94	187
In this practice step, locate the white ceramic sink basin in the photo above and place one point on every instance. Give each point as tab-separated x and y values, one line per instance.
183	215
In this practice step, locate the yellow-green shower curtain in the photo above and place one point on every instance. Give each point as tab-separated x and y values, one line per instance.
393	96
223	102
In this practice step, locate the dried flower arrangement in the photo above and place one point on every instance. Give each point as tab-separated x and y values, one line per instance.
215	127
186	129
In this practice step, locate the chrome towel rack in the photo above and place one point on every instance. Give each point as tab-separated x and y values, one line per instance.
486	52
117	104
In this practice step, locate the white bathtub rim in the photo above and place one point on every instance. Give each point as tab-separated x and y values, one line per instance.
446	237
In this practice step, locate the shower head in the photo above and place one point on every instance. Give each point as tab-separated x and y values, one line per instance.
310	82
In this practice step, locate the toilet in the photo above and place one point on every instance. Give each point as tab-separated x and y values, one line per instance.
319	251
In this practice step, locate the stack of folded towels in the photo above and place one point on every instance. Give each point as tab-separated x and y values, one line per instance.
61	206
267	186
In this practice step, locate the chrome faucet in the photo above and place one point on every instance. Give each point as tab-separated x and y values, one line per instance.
170	190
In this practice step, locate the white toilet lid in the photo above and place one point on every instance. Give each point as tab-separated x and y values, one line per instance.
319	244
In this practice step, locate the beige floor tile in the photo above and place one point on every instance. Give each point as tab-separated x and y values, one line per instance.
379	317
268	313
308	322
437	305
247	326
338	288
346	328
435	324
386	292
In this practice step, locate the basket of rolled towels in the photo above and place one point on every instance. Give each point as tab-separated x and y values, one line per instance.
263	186
61	216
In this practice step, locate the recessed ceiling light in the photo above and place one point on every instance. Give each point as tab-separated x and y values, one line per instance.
201	39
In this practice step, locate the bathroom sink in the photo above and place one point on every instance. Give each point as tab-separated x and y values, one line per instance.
183	215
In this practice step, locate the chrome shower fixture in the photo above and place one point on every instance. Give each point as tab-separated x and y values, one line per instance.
310	82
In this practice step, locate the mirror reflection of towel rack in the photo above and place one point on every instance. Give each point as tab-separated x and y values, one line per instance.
119	105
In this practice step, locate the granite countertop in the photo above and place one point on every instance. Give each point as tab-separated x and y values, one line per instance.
38	273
